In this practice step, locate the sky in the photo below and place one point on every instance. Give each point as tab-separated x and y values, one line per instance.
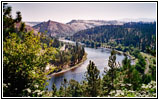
65	12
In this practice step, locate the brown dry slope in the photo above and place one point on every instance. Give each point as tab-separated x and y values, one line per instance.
54	28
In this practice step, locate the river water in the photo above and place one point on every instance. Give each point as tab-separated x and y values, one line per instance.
99	56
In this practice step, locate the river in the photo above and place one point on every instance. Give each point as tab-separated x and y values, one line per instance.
99	56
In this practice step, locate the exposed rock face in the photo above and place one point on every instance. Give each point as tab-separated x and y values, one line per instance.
54	28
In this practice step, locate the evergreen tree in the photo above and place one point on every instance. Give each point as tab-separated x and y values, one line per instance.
153	72
84	87
73	59
64	84
8	21
61	92
126	63
136	79
56	43
93	79
19	17
110	75
74	88
54	89
112	64
140	66
127	68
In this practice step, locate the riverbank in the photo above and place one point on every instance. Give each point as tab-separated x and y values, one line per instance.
70	68
121	52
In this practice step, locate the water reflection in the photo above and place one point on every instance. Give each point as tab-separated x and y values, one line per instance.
99	56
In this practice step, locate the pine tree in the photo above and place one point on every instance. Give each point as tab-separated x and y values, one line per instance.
128	69
8	21
93	79
54	89
110	75
64	83
74	88
61	91
112	64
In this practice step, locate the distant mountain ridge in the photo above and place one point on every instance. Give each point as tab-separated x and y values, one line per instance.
78	25
32	23
54	28
138	20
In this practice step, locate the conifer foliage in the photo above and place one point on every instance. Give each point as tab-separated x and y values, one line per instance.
93	78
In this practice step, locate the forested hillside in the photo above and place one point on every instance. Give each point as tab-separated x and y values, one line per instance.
26	55
30	57
139	35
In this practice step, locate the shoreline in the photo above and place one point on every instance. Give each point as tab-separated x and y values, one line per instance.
70	68
119	52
